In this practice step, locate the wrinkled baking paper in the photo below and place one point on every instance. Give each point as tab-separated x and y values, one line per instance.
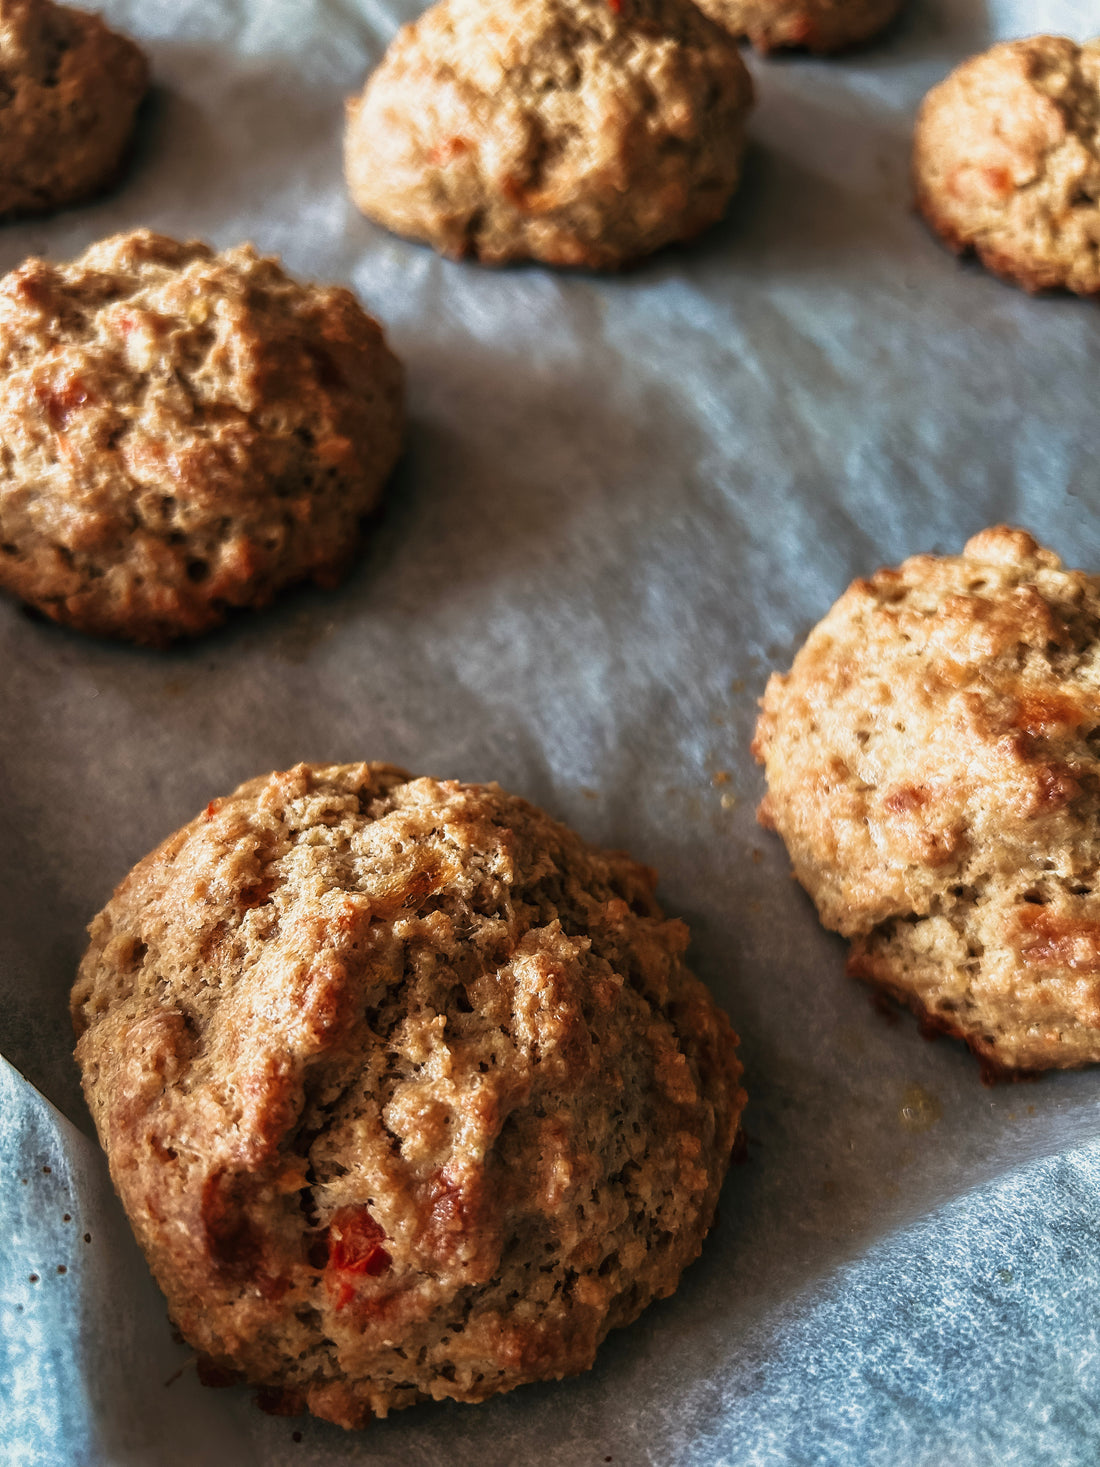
624	500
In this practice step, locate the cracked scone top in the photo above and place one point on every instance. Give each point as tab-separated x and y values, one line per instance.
182	432
813	25
576	132
69	92
933	765
1006	162
406	1090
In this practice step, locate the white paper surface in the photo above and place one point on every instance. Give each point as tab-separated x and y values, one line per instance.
624	501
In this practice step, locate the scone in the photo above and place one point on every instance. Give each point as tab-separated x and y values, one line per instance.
69	92
812	25
1006	162
407	1091
183	432
932	765
576	132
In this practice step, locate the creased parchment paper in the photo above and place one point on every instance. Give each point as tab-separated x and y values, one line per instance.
624	500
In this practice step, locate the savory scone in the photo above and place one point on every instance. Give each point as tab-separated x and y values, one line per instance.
933	765
69	92
407	1091
183	432
1006	162
576	132
822	26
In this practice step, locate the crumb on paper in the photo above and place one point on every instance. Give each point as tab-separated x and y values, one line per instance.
919	1109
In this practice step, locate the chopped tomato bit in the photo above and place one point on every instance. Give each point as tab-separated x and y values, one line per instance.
355	1249
448	148
60	402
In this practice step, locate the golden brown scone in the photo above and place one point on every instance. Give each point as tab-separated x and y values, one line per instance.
183	432
69	92
1007	162
932	765
407	1091
822	26
576	132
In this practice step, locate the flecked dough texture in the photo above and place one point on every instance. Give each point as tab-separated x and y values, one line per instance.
932	765
576	132
1006	162
182	432
407	1091
69	92
812	25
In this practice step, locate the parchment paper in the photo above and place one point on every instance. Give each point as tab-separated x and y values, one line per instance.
624	500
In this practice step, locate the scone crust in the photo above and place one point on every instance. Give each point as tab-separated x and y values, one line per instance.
1006	162
821	26
183	432
575	132
407	1091
69	93
932	765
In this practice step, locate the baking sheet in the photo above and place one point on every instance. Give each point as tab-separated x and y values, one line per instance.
624	500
